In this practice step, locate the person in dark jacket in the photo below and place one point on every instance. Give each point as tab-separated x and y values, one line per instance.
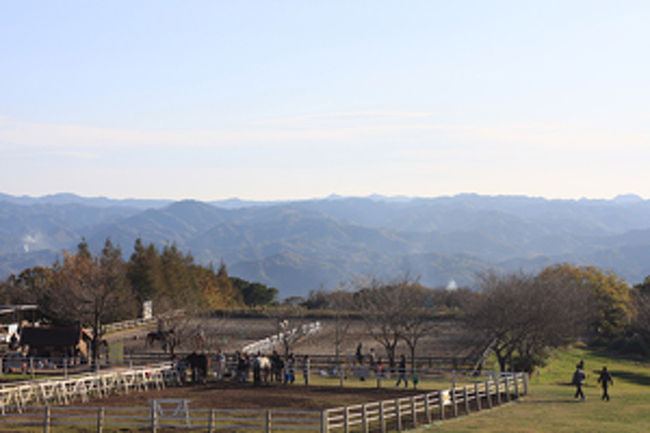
579	377
402	372
605	379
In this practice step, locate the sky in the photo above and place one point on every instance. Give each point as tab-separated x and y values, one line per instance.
276	100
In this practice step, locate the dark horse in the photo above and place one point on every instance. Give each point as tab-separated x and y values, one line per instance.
162	336
199	365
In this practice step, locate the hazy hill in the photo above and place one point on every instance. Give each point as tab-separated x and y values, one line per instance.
298	246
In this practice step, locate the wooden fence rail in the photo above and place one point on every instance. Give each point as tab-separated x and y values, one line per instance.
410	412
151	419
384	416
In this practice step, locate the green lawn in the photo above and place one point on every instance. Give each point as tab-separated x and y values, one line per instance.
550	406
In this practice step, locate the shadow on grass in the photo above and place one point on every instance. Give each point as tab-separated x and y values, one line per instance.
569	400
636	378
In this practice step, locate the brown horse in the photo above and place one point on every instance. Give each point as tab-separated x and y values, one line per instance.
199	364
162	336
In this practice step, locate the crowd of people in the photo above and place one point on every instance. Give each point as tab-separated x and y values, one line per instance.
265	369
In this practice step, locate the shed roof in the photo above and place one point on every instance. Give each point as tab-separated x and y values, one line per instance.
38	336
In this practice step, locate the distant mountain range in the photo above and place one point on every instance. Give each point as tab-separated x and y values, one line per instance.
298	246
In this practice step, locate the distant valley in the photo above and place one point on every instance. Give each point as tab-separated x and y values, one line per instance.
299	246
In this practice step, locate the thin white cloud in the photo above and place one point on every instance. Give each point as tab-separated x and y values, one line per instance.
344	116
406	129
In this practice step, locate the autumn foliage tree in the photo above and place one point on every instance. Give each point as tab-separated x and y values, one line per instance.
173	280
90	291
608	293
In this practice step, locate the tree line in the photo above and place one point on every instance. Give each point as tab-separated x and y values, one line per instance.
520	316
91	291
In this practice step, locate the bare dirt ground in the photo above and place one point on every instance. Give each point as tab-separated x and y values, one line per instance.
230	395
448	339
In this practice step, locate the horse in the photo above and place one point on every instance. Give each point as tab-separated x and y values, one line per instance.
277	366
199	365
162	336
261	369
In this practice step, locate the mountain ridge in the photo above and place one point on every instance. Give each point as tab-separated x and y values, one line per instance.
297	246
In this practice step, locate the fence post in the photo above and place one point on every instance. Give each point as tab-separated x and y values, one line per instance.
454	402
341	374
364	418
378	375
211	421
466	399
346	419
100	420
477	396
453	379
154	417
525	383
414	413
497	381
47	420
382	419
517	385
441	403
31	367
488	393
507	388
267	424
324	428
398	415
427	409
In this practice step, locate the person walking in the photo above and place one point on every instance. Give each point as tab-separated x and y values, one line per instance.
401	369
305	369
579	377
359	355
605	379
220	365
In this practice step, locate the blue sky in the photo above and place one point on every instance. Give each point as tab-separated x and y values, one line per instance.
296	99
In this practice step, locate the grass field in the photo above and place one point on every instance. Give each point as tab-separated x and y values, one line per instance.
550	406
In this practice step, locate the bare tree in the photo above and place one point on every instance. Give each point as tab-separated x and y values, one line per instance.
394	311
525	315
417	314
340	302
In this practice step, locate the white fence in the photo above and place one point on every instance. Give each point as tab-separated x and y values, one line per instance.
267	344
21	395
384	416
398	414
129	324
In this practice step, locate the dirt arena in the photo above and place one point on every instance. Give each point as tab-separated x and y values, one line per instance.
230	395
449	338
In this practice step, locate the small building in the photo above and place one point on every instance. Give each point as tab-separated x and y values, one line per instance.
12	317
72	342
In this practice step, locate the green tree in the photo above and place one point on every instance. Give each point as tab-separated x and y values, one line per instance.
29	287
144	272
255	294
609	292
